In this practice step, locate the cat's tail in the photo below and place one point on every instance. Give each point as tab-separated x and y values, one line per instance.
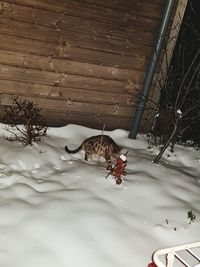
73	151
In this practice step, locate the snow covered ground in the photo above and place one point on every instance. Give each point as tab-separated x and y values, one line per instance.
57	210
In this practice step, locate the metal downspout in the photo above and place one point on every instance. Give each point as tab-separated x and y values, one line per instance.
151	69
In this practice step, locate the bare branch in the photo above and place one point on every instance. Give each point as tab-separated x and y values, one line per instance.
25	123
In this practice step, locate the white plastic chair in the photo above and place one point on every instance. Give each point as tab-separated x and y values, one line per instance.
187	255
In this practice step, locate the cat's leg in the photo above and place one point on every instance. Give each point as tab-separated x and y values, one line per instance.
172	146
108	162
86	156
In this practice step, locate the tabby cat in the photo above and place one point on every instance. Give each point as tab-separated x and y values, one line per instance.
101	145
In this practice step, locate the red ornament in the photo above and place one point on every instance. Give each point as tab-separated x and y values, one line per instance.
119	169
118	181
152	265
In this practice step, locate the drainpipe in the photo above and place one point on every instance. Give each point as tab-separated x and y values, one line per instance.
151	69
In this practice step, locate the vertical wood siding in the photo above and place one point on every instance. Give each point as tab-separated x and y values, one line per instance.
77	58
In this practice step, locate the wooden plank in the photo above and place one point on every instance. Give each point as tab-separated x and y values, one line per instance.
15	43
95	10
26	45
64	93
62	20
55	118
148	5
71	38
27	30
149	8
73	106
59	118
61	79
63	65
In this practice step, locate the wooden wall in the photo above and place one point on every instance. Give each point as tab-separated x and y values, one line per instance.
77	58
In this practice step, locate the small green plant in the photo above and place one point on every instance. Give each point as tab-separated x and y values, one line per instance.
191	216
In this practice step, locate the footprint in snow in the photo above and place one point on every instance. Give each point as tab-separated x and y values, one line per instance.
160	228
63	158
56	168
70	162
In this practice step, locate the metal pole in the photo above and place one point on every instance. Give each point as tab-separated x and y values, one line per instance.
151	69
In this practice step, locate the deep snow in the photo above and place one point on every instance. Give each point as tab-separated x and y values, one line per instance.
59	211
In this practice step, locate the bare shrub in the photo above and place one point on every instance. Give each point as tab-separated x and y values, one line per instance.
25	123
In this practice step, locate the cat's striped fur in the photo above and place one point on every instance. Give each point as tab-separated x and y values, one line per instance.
101	145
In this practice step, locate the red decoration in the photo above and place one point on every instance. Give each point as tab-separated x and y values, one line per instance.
152	265
119	169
